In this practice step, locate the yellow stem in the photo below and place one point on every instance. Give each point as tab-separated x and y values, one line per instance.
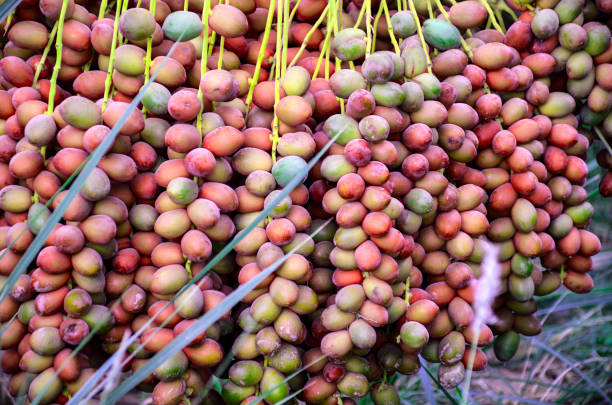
102	10
420	32
295	8
278	62
308	35
326	45
58	57
360	16
491	15
45	53
220	61
285	36
378	15
9	19
262	52
390	27
368	26
203	53
111	59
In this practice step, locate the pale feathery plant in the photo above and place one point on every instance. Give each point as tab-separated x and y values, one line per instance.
488	286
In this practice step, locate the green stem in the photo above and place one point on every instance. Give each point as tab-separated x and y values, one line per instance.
491	16
369	26
220	61
152	6
205	11
262	52
326	44
102	10
44	55
9	19
211	45
378	15
111	59
278	62
360	17
123	10
503	6
429	10
58	57
295	8
309	34
390	27
603	139
285	26
420	32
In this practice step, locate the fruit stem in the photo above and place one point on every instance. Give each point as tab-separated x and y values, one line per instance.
211	46
464	44
152	6
123	10
492	16
407	294
220	61
278	62
360	16
420	32
498	13
188	268
102	10
399	5
111	59
378	14
603	139
429	9
503	6
562	274
390	27
186	5
325	45
308	35
262	52
43	58
58	57
338	62
203	64
295	8
369	26
9	19
286	24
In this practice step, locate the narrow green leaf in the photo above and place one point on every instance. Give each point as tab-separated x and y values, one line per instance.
200	325
92	162
435	380
227	249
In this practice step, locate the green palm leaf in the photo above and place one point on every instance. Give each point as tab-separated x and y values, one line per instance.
92	162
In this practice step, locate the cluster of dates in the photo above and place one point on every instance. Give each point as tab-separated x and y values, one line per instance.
444	141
